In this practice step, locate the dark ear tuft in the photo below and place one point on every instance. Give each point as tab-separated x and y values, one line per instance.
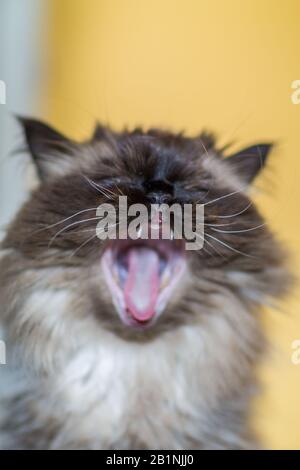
100	132
46	145
248	162
104	134
207	140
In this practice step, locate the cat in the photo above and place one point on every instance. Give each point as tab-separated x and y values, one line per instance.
104	350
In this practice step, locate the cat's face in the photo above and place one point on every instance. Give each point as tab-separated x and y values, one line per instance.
137	287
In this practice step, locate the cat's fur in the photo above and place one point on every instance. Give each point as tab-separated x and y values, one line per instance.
78	378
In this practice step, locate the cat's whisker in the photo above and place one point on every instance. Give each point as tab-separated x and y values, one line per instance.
71	225
83	244
91	238
230	247
239	231
223	197
204	147
237	213
99	188
219	225
86	230
119	190
63	220
209	244
104	188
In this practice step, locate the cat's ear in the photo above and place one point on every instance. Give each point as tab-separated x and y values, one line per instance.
248	162
104	134
100	132
52	152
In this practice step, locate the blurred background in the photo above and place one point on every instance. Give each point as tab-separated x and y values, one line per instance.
224	65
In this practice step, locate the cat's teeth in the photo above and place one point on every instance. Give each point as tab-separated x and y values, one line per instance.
165	280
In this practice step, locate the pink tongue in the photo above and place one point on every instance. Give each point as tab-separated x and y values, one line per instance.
142	283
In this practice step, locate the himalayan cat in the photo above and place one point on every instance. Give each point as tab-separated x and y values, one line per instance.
85	369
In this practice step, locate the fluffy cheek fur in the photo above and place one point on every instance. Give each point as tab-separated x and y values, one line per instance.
180	376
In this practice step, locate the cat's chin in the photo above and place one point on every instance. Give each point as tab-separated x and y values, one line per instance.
142	276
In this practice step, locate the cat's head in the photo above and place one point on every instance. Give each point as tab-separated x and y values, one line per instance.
142	285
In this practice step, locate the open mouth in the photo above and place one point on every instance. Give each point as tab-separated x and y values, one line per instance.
142	276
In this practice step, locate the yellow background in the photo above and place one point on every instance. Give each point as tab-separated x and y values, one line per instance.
225	65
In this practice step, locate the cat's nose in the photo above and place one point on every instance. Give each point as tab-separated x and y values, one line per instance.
159	191
159	197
